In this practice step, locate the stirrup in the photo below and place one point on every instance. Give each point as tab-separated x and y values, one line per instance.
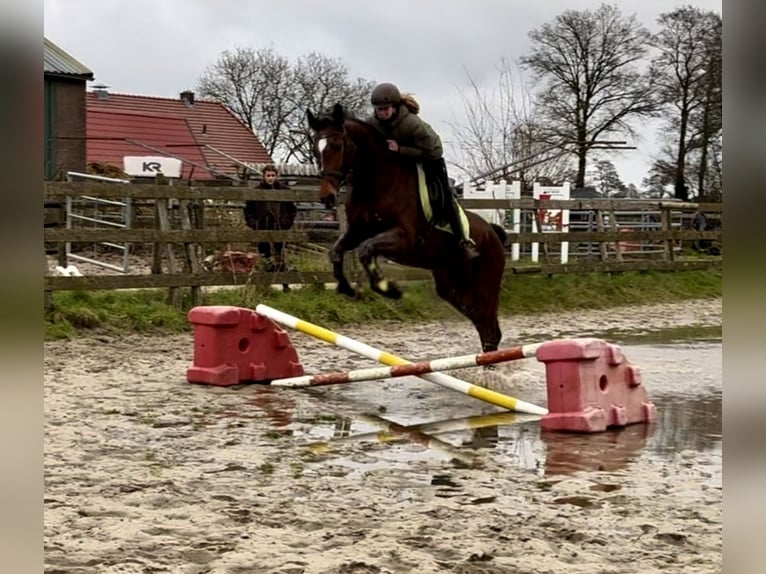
469	247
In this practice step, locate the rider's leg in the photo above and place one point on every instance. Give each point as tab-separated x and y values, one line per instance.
439	170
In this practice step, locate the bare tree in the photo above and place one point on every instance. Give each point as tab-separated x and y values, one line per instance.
270	94
255	85
588	66
501	135
320	83
709	122
688	74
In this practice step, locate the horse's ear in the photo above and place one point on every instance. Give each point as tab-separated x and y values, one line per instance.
338	115
313	124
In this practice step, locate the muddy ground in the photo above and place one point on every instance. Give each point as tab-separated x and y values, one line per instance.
145	472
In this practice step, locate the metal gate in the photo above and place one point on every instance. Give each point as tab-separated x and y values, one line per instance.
85	212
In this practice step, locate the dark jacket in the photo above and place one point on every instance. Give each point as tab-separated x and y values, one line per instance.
415	137
278	215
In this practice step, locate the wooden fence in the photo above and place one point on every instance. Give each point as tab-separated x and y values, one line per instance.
606	244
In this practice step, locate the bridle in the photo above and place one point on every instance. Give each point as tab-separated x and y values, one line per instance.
337	177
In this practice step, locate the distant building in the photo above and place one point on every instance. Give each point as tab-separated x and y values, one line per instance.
587	192
64	117
211	142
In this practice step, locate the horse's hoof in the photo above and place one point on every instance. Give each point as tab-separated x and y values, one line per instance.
346	289
388	289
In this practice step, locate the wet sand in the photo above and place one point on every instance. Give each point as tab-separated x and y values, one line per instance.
147	473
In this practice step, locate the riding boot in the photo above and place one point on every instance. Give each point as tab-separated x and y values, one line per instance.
465	242
450	205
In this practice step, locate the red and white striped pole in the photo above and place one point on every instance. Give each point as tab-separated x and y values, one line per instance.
410	369
477	392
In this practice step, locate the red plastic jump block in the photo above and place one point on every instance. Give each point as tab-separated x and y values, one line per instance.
591	386
234	345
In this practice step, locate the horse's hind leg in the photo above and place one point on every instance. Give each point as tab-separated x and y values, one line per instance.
386	244
477	299
489	332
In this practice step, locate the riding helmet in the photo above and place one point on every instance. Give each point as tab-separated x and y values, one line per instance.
384	94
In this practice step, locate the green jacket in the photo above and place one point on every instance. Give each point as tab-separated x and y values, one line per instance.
415	137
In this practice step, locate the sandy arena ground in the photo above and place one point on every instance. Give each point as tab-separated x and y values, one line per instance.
147	473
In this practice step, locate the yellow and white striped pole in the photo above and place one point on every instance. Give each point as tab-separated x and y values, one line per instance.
486	395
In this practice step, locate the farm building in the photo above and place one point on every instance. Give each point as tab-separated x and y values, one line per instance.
64	116
211	142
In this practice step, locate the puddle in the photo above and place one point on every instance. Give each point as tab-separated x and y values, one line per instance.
684	380
681	334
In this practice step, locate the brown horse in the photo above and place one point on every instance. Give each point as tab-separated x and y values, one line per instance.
385	218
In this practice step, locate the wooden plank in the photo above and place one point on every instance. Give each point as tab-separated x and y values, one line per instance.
182	280
220	235
589	204
58	189
619	266
95	282
213	235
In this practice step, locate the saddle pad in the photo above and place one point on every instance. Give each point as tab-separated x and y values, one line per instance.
425	203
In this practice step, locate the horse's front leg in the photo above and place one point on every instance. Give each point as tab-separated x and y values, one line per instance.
386	244
346	242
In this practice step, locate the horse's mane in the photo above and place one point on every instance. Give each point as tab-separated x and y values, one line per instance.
368	127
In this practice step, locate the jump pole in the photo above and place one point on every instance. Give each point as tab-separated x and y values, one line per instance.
410	369
360	348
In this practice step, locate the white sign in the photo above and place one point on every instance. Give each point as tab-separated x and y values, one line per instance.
551	220
501	217
149	166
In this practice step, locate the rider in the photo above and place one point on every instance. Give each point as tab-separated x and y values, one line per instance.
410	136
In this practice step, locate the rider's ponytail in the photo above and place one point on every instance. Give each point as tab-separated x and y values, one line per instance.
411	103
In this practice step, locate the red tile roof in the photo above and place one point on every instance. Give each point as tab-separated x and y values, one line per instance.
110	137
209	124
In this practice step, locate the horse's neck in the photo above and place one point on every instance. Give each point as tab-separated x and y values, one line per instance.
371	148
367	139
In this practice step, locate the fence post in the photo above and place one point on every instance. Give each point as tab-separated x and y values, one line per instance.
600	228
613	227
174	294
514	192
190	249
667	227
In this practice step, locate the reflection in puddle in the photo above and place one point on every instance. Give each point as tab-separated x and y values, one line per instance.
684	382
684	424
279	407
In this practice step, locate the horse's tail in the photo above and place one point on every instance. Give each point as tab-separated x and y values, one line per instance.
411	103
500	233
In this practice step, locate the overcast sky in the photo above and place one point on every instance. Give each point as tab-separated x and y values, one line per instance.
427	47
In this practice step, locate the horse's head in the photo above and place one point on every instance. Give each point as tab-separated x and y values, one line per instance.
330	149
